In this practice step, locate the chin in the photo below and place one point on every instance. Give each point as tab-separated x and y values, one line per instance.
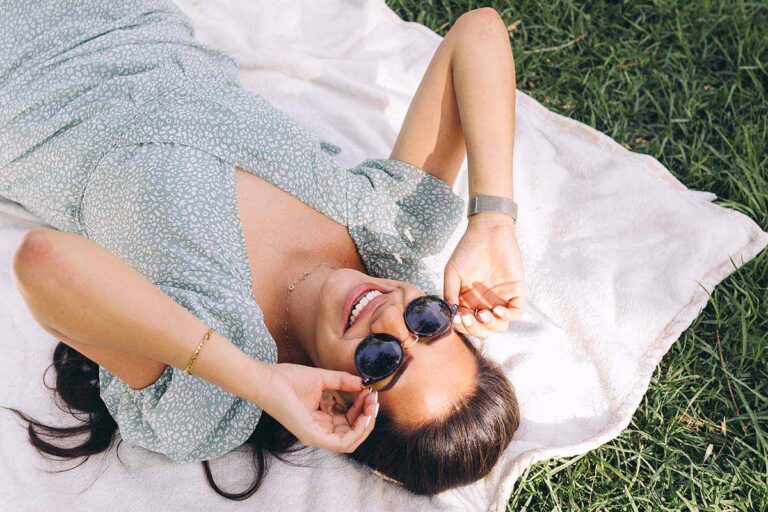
333	295
339	283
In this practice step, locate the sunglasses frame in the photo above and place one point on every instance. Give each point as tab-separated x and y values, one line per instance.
453	308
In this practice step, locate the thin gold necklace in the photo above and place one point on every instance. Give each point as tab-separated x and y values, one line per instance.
291	287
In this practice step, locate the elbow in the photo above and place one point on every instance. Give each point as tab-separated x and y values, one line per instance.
33	257
483	23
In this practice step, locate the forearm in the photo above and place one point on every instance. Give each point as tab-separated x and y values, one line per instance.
484	84
90	295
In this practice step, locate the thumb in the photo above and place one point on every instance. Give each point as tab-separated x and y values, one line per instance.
341	381
451	284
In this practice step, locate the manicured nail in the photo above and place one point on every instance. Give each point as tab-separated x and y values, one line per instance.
376	396
368	421
457	320
467	319
485	316
376	412
500	311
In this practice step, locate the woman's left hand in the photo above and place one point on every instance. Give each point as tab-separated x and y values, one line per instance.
484	276
292	395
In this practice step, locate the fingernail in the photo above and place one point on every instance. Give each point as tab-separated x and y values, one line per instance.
500	310
467	319
376	412
457	320
485	316
368	421
376	396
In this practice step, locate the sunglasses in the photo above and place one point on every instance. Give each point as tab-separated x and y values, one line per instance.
380	355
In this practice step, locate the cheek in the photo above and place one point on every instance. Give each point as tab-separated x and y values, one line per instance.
333	353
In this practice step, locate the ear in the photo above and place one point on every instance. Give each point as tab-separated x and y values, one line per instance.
332	403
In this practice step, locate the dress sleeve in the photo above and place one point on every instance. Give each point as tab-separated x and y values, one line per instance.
398	214
170	212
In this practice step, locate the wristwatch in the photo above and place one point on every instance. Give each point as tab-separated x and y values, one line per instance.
497	204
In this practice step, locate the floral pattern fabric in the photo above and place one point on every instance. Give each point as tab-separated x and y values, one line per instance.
117	125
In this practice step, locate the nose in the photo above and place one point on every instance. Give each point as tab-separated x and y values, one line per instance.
389	320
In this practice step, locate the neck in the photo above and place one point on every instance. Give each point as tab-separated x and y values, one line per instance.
303	308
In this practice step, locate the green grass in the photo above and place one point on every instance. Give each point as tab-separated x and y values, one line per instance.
685	82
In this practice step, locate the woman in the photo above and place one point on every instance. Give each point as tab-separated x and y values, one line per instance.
210	267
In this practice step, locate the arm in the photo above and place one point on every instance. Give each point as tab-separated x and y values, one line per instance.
465	106
88	294
466	101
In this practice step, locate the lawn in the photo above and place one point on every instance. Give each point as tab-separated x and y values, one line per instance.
687	83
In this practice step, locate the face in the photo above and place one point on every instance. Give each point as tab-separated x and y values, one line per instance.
434	375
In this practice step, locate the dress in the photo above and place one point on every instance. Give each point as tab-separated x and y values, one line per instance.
117	125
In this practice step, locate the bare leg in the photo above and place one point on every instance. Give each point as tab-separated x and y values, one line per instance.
465	106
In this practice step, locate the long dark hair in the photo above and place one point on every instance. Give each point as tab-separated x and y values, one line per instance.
457	449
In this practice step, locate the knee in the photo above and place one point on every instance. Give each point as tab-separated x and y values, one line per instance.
481	23
33	254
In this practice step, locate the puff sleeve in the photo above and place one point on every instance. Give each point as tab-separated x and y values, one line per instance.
170	211
398	214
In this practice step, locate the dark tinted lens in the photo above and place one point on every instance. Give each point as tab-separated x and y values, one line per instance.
428	315
378	355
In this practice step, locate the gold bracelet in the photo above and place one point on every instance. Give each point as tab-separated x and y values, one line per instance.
197	350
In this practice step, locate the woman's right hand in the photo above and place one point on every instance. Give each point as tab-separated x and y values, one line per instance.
291	394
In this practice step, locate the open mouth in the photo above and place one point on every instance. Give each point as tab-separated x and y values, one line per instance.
361	301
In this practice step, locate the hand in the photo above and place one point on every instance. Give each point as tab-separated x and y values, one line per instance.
484	276
292	394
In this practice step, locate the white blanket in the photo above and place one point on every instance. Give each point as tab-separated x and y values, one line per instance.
619	257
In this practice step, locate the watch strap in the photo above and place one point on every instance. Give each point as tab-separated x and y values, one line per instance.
496	204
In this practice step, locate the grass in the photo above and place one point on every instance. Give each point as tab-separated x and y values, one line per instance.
687	83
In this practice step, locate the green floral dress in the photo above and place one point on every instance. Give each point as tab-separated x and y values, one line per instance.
117	125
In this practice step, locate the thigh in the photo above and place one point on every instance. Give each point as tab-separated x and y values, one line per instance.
431	136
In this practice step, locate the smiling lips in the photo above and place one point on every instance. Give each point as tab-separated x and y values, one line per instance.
360	302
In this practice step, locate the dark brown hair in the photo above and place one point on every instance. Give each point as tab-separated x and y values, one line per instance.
454	450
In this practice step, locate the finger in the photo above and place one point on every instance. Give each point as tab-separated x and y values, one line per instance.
341	381
509	290
451	286
368	429
372	411
501	312
467	318
362	399
472	296
473	325
480	296
515	314
491	321
480	330
516	302
458	325
350	440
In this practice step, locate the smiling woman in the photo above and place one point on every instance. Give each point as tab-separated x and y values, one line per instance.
189	321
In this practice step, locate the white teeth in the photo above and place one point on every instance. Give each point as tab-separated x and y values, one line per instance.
364	300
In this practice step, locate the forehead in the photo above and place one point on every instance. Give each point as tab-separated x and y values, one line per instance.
437	374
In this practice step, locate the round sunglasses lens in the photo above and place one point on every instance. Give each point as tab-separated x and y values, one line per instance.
378	355
428	315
